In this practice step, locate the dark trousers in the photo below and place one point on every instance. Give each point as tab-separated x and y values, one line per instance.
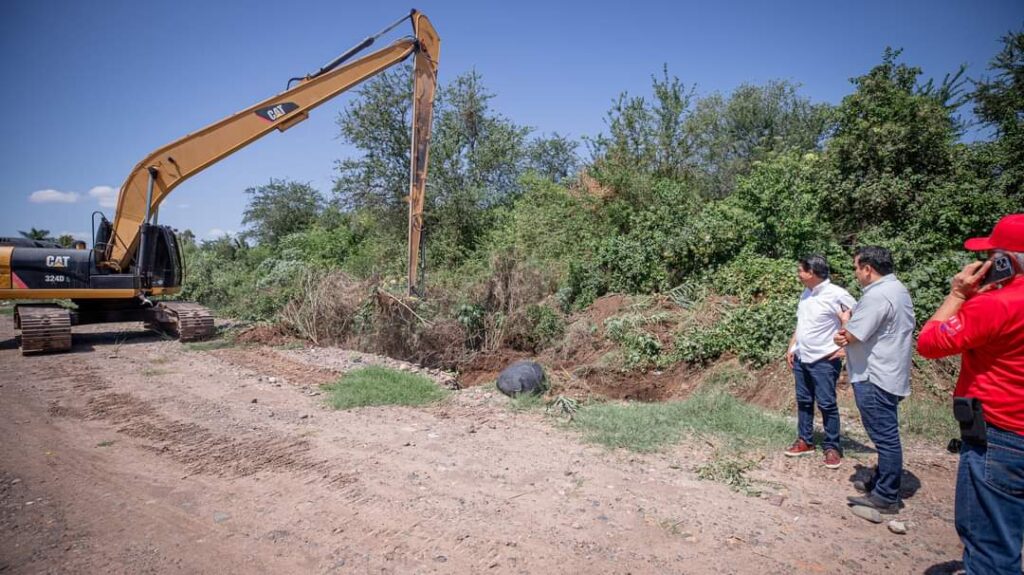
878	413
990	503
816	383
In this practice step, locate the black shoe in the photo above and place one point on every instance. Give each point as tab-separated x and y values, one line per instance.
863	486
873	501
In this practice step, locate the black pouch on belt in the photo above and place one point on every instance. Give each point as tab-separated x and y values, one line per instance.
968	412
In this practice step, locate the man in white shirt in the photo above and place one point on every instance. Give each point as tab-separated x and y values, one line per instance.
815	358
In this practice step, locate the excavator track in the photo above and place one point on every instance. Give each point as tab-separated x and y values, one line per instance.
44	328
191	321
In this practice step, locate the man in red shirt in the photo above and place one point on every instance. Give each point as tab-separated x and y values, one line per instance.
985	324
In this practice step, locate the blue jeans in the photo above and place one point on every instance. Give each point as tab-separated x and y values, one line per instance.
878	413
816	382
990	503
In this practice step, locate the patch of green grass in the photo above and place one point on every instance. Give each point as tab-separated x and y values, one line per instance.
928	419
382	386
209	345
731	471
646	427
6	310
106	443
526	402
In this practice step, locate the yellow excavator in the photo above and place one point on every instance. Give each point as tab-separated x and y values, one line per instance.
134	258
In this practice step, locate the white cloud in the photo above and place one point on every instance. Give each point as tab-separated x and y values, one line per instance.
184	206
106	196
53	197
218	233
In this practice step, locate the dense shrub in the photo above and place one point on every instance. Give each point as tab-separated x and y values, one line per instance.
757	333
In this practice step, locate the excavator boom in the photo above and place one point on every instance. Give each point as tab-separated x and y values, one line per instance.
158	174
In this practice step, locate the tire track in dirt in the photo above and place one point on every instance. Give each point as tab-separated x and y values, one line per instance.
199	449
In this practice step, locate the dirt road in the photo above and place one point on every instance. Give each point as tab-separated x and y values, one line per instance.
134	455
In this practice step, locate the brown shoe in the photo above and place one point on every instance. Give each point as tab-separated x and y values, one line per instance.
832	458
799	447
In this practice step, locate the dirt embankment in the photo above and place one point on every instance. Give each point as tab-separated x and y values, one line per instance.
133	455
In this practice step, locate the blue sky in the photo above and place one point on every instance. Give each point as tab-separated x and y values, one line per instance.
90	88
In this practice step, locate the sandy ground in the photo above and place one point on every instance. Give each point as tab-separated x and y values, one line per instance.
132	454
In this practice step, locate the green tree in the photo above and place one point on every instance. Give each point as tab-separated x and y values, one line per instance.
891	141
477	157
34	234
999	103
378	124
554	158
66	240
754	122
646	140
280	208
783	194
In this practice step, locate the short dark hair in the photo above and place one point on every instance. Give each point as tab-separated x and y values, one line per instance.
877	257
815	264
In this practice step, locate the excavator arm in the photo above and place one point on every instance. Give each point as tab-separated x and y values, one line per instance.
163	170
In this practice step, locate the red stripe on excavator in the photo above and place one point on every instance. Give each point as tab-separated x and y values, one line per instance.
18	284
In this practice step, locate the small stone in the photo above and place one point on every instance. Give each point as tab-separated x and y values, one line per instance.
15	481
815	501
253	400
867	513
221	517
271	380
898	527
776	500
577	526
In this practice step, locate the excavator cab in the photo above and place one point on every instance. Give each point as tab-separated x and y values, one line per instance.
160	265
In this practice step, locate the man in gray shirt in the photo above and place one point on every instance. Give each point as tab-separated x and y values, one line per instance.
879	342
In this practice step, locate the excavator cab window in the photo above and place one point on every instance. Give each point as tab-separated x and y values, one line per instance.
102	238
167	269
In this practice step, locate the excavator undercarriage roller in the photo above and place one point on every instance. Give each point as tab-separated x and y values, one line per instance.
43	328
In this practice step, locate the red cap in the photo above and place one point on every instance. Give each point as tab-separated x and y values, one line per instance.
1007	235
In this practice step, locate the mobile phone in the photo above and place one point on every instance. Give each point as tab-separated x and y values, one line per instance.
1001	270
